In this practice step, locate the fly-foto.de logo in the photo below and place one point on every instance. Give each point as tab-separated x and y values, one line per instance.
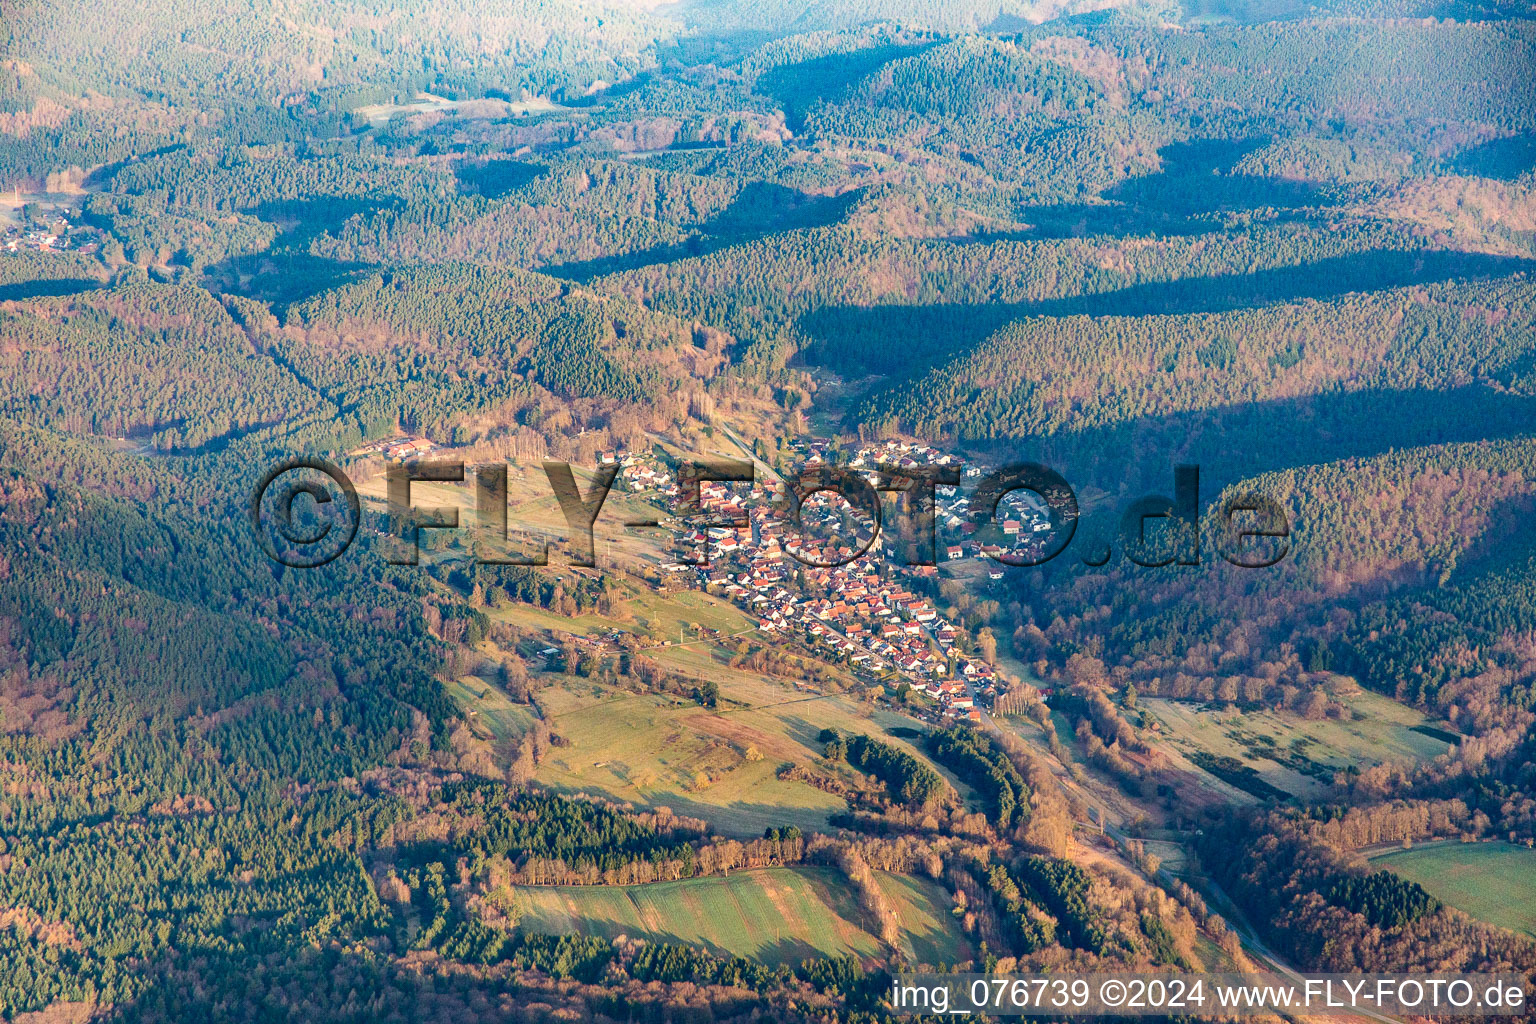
306	512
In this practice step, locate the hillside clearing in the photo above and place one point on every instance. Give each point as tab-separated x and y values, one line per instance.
775	915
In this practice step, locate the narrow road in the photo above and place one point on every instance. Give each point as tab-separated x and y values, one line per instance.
766	470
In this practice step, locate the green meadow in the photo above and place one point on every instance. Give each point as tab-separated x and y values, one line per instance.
1494	882
775	915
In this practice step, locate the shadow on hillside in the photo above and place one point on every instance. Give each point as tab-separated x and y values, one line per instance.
738	819
804	732
287	273
300	221
102	177
1231	443
861	340
798	88
1190	194
496	179
1506	158
760	210
281	277
47	289
1243	12
709	45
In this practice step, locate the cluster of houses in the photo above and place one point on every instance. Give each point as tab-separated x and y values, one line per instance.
1024	531
57	237
46	225
400	449
900	455
640	474
847	600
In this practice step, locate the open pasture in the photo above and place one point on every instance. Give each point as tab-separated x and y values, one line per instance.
1494	882
775	915
1255	749
719	763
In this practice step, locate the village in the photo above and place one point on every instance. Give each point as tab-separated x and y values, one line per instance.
399	448
46	227
835	582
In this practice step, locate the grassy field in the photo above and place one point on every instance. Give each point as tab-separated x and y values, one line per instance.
720	764
489	710
1494	882
666	617
774	915
670	626
378	114
1287	751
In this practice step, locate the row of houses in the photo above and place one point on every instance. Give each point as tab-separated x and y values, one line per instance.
648	478
400	448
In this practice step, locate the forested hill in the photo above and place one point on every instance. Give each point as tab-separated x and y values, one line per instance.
255	53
